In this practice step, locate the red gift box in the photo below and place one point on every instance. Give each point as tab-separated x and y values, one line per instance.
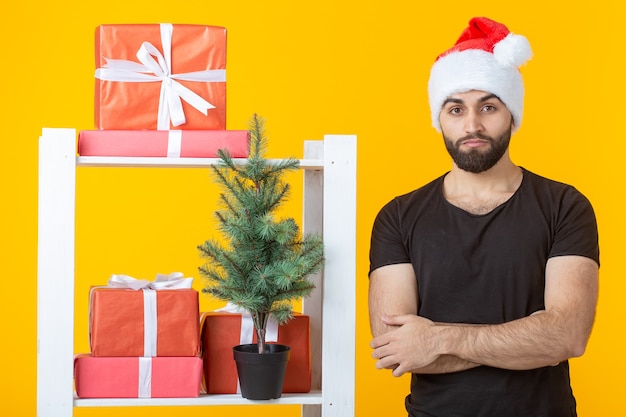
128	377
152	76
118	326
161	143
221	331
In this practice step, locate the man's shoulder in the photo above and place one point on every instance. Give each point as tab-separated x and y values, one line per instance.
423	191
554	187
425	198
556	196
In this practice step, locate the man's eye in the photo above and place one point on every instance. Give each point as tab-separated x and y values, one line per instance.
489	107
454	110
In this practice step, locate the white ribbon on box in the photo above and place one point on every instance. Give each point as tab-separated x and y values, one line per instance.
174	143
247	325
174	280
144	388
159	70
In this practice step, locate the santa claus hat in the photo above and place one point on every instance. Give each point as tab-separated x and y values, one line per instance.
486	57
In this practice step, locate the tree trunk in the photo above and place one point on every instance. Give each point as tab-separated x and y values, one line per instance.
260	334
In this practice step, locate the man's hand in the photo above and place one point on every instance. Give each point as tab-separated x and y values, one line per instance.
411	345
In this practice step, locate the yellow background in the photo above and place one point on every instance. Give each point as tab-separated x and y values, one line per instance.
310	68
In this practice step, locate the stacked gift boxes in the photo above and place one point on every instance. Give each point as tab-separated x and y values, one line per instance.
134	355
161	92
144	339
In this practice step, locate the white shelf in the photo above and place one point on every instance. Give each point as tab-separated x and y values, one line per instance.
329	208
106	161
311	398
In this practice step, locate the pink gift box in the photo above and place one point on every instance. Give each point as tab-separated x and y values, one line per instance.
162	143
160	76
134	377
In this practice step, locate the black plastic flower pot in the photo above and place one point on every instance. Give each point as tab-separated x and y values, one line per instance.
261	376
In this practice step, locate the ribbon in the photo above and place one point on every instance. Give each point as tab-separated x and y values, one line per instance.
150	322
144	388
171	281
247	325
174	143
174	280
159	70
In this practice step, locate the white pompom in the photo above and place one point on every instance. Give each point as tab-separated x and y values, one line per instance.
513	50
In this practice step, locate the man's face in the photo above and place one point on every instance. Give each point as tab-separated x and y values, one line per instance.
476	129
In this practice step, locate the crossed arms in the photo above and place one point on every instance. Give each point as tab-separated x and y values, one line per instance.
405	342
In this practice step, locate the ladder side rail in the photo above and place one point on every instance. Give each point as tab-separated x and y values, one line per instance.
312	223
55	272
339	305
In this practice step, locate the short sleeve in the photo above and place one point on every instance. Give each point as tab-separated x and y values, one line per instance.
387	246
576	230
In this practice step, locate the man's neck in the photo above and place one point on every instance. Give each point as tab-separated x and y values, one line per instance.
481	193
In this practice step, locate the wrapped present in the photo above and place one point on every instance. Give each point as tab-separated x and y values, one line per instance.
141	318
152	76
221	331
137	377
161	143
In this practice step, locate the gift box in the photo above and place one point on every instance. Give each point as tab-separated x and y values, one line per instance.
140	377
221	331
128	322
152	76
161	143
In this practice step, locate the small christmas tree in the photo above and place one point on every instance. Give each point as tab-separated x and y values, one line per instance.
264	264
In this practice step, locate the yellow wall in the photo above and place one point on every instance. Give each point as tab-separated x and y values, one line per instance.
310	68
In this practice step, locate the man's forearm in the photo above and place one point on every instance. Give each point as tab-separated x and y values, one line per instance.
521	344
561	331
446	364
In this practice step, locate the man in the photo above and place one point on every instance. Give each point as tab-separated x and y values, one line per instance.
483	283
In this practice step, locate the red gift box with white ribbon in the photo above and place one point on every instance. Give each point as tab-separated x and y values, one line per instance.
131	317
160	77
222	330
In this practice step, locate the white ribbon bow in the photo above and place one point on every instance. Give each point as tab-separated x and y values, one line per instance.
171	281
159	70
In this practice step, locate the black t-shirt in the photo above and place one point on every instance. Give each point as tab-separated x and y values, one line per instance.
486	269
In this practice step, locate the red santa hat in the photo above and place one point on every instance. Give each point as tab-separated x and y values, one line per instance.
486	57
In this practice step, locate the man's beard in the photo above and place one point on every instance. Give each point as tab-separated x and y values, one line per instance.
475	161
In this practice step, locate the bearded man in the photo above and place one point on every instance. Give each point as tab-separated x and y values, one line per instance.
484	282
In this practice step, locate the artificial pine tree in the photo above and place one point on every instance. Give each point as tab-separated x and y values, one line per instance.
264	264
